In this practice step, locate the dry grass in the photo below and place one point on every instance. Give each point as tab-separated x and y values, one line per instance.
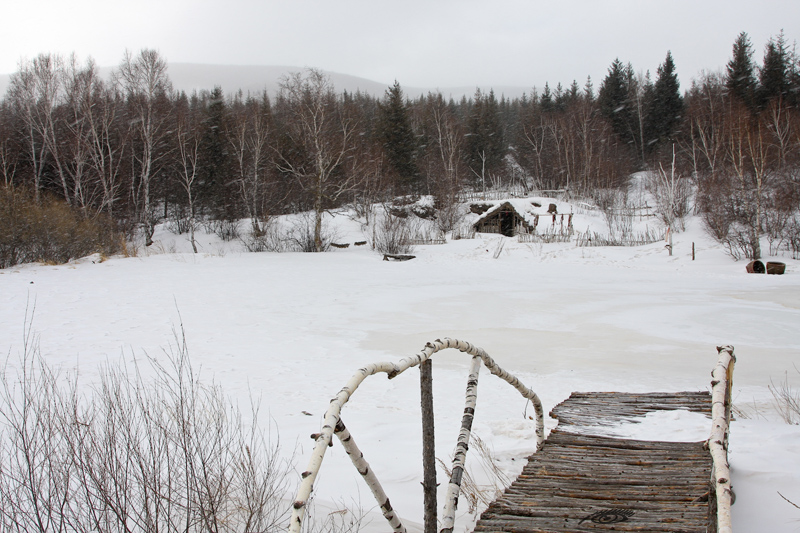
787	400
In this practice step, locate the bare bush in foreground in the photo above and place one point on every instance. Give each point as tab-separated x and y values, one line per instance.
134	454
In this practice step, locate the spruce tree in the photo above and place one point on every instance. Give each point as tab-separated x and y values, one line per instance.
740	77
214	166
399	142
614	103
665	107
486	147
774	75
546	99
588	89
573	93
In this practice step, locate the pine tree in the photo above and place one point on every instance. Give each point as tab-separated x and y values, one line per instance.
665	107
740	77
398	139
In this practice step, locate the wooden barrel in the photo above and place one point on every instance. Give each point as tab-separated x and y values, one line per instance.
775	267
755	267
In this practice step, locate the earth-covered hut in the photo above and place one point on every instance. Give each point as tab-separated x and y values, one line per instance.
518	215
514	216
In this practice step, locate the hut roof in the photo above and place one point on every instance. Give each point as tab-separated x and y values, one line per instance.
527	208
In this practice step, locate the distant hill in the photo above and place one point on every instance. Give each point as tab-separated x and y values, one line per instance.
254	79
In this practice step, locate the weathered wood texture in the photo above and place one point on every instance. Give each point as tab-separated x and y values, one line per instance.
609	408
580	482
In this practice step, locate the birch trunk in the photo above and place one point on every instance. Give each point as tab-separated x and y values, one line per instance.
460	456
718	441
366	472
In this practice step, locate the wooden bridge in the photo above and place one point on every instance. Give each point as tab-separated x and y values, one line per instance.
582	482
576	481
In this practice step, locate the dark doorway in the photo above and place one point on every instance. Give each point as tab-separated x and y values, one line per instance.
507	223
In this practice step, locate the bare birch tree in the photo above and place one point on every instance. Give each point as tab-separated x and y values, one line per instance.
108	141
249	135
188	139
81	85
448	141
35	90
144	79
9	154
321	136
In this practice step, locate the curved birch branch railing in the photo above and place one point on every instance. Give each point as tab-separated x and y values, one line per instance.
720	492
333	425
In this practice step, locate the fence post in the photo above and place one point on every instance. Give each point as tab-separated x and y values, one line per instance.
428	446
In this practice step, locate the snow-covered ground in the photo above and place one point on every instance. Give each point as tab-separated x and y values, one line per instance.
293	327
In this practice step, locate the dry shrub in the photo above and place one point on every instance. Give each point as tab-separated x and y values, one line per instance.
133	454
479	495
392	234
787	400
300	237
47	230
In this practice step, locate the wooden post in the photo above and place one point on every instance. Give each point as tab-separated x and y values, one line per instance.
692	251
669	246
428	447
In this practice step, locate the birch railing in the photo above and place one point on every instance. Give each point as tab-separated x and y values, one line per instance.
720	493
333	425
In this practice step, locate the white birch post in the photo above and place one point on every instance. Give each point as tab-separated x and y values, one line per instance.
366	472
721	384
460	456
323	439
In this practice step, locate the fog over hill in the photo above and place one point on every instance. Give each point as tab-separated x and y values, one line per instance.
254	79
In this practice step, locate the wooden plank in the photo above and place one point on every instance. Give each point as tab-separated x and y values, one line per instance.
581	482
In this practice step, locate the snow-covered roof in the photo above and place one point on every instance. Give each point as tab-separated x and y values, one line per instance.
527	208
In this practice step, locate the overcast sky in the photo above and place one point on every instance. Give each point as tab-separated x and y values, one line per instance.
420	43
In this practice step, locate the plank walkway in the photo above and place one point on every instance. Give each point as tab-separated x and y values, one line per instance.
579	482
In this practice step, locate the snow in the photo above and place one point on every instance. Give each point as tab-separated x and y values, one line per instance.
291	328
684	426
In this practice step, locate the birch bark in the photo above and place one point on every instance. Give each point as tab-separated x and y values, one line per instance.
460	456
718	441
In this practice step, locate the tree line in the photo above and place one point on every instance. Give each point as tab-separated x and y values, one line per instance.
132	149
